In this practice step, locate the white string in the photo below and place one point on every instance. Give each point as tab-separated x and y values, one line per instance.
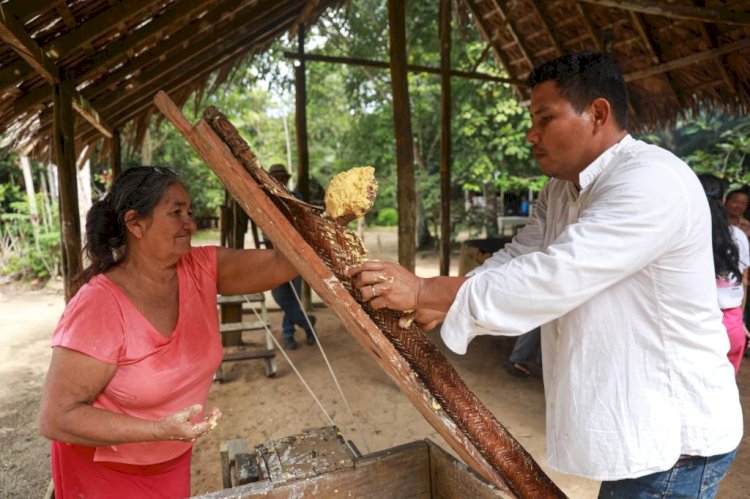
299	375
330	369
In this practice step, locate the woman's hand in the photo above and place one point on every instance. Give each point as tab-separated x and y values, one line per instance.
387	285
179	426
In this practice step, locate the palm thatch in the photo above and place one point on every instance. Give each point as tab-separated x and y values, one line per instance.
118	54
677	56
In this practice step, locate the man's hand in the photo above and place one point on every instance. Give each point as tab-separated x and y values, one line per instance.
179	426
426	319
387	285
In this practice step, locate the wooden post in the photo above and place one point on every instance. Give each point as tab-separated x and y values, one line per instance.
115	159
303	157
445	137
70	223
234	226
406	195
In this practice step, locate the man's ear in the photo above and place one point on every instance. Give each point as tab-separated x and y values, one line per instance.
133	224
601	112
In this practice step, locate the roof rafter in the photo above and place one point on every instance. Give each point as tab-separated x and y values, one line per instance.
656	55
690	59
511	27
541	11
589	26
687	12
119	49
14	34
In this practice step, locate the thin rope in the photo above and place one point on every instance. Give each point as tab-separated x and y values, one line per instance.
330	369
299	375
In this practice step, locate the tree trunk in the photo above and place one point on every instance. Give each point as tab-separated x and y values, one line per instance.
28	179
406	194
147	152
490	211
84	194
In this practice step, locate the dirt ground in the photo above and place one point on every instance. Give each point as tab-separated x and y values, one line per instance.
258	408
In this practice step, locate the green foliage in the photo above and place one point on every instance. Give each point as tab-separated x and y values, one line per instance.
387	217
22	256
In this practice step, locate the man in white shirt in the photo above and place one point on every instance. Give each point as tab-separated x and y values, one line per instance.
616	265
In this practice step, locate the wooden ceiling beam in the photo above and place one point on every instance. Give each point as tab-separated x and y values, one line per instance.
114	52
512	29
656	56
412	68
192	63
197	33
500	55
14	34
15	72
27	8
95	27
696	58
709	33
65	13
589	25
541	11
180	77
686	12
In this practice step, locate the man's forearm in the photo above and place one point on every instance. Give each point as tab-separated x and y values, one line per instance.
438	293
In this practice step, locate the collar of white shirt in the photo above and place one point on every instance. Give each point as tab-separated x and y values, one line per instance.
591	172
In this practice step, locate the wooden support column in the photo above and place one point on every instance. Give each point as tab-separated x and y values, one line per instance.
445	137
70	222
115	158
233	226
303	156
406	195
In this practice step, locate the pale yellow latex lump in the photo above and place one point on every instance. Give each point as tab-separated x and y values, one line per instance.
351	194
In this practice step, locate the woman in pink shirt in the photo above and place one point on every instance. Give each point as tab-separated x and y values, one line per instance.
137	346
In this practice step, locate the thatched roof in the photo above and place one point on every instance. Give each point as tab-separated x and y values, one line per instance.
120	53
676	56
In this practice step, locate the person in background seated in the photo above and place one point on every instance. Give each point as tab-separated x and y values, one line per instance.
731	260
284	294
138	344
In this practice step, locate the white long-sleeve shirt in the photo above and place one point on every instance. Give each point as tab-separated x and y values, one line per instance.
621	276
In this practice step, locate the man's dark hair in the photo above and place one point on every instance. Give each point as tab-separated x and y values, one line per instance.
583	77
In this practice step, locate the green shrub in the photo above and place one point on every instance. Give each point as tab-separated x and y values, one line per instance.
387	217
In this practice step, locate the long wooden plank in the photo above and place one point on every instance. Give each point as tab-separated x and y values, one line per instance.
327	286
688	12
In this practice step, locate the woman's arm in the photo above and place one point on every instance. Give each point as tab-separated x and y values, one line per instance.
67	415
251	270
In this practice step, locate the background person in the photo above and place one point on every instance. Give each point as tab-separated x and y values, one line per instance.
640	394
284	294
137	346
731	259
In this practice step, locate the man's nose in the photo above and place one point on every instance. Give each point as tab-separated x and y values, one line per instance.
532	136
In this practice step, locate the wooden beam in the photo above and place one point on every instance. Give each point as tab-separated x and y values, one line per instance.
113	52
67	16
589	25
87	111
541	11
406	196
184	74
510	25
14	34
27	8
95	27
500	55
115	155
411	68
710	33
696	58
674	11
70	223
444	32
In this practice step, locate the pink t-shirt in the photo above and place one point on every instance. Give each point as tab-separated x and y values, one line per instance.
155	376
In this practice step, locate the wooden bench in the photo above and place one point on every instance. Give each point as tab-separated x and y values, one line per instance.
258	301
